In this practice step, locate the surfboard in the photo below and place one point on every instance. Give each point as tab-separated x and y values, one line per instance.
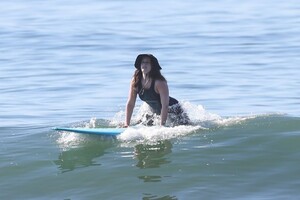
95	131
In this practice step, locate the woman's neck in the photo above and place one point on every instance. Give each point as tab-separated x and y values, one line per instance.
145	80
146	77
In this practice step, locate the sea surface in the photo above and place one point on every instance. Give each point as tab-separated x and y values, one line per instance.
233	65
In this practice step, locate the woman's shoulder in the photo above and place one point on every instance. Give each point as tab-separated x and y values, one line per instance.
160	84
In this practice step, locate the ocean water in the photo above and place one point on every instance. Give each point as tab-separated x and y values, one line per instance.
233	65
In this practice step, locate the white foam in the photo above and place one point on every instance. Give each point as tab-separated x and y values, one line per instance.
68	140
200	119
155	133
196	113
199	116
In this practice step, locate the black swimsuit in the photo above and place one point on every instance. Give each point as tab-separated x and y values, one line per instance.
176	114
153	99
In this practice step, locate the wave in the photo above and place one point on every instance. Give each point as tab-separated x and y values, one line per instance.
202	121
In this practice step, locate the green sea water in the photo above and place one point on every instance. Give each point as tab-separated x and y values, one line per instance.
234	66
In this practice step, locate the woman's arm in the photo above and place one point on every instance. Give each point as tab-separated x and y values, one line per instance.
163	90
130	104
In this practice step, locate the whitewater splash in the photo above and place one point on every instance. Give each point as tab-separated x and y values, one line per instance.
67	140
199	117
197	114
156	133
200	120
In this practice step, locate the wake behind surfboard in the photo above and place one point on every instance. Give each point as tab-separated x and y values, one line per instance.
94	131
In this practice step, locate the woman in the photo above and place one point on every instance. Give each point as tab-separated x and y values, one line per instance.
152	87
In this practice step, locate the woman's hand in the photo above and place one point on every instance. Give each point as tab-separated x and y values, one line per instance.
122	125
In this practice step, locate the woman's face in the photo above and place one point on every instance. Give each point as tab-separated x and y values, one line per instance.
146	65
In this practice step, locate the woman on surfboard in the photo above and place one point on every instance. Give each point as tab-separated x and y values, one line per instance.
152	88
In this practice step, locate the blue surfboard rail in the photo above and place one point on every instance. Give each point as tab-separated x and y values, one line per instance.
95	131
